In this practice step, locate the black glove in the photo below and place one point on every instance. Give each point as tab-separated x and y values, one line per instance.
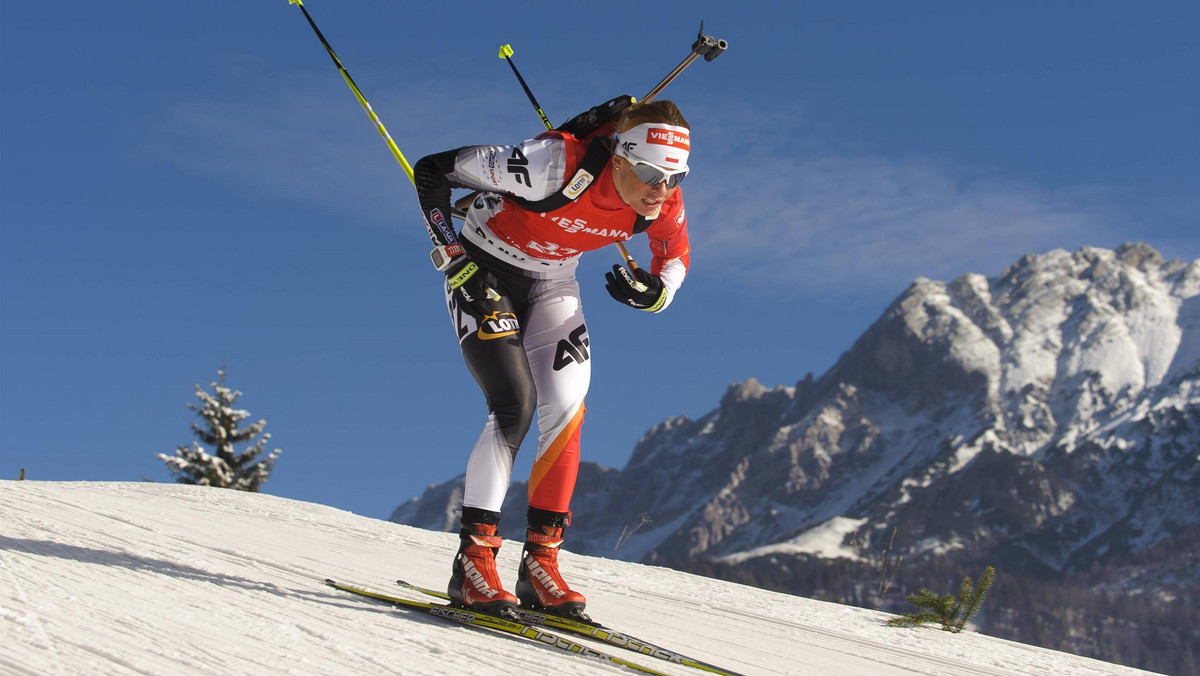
474	288
624	288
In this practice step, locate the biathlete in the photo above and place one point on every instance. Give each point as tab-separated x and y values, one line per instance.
515	305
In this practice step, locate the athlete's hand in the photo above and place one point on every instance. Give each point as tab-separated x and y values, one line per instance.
623	286
473	287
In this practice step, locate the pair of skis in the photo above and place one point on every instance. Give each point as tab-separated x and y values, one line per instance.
532	626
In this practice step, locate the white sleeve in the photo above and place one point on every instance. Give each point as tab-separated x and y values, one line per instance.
532	170
672	274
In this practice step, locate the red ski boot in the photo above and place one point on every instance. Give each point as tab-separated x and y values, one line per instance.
539	584
474	582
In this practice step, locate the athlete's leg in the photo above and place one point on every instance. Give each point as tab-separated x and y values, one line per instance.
559	355
492	349
559	352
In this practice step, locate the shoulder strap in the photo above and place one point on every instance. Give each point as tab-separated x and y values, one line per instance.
598	153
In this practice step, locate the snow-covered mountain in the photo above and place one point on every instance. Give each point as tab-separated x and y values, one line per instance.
1045	421
140	578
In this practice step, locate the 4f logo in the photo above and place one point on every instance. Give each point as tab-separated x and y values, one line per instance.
518	167
573	349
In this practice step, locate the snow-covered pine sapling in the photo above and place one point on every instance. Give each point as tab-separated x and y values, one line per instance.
951	612
226	467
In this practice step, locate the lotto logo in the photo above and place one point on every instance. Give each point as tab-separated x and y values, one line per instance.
498	325
581	181
668	137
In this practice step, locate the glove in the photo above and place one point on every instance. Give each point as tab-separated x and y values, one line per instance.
473	287
623	287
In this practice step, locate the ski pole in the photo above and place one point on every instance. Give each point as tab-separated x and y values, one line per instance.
632	264
506	52
706	46
362	101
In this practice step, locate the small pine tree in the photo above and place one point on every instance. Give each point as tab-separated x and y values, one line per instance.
951	612
227	468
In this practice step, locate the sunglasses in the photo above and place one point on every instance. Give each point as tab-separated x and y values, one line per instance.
652	175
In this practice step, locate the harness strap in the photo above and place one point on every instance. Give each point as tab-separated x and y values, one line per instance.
599	151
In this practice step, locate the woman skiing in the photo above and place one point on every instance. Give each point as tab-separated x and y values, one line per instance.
515	303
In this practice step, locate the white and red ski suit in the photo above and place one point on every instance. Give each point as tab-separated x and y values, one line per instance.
539	357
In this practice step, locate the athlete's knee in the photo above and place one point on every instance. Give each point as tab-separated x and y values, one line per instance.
514	411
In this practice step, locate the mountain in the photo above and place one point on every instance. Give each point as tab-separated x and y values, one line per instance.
1046	422
172	580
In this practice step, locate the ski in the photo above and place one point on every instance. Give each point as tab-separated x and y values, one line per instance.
503	625
593	630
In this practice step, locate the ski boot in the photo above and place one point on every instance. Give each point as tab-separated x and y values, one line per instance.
474	583
540	586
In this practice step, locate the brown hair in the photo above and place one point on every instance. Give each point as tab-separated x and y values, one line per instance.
663	112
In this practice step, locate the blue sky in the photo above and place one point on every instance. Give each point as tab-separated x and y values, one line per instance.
186	185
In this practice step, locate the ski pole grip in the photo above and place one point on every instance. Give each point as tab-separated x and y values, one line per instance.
631	264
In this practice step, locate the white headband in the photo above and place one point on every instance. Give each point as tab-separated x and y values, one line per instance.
663	145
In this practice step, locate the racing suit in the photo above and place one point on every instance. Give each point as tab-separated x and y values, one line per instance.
530	350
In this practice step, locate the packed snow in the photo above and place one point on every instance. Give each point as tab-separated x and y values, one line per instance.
827	540
142	578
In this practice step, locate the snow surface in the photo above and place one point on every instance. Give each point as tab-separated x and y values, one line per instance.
826	540
142	578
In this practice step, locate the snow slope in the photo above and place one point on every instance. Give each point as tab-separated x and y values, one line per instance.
140	578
